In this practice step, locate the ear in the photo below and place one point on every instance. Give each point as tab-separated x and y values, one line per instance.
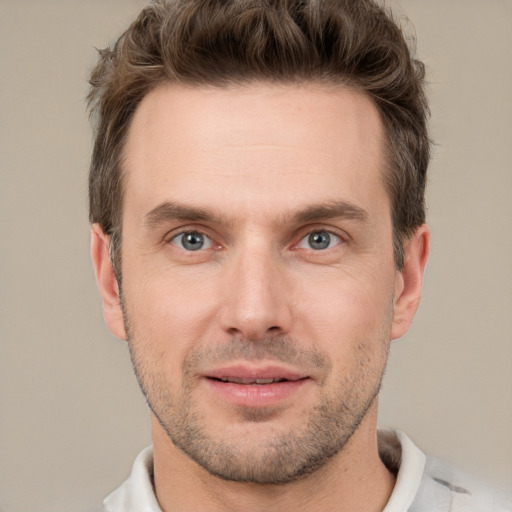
107	282
409	281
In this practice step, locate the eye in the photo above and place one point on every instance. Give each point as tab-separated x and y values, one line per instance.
319	240
192	241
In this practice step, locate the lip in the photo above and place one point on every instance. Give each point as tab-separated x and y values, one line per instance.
251	394
242	371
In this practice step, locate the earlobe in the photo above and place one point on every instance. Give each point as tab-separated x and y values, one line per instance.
107	282
409	281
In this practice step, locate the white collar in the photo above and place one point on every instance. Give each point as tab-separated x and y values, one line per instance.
137	493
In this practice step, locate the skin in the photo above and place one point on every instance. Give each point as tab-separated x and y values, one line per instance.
256	170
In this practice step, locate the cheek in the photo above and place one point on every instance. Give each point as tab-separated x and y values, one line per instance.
346	306
169	310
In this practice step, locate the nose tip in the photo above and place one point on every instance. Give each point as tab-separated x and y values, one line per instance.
253	328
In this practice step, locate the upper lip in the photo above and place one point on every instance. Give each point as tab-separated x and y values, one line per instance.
253	373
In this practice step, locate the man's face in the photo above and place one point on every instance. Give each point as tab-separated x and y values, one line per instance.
259	288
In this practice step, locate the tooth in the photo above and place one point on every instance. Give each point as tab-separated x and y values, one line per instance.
236	380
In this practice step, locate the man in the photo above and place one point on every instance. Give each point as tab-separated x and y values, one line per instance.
259	238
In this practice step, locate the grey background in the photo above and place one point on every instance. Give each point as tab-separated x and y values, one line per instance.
71	416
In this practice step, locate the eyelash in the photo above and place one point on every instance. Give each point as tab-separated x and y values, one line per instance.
329	235
306	238
191	232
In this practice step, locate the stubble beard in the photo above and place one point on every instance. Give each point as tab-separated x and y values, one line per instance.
280	457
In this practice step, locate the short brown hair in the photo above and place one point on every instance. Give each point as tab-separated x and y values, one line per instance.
353	43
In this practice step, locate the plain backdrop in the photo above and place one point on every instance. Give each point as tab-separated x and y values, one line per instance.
72	417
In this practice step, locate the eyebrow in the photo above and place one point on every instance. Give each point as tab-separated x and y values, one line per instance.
330	210
171	211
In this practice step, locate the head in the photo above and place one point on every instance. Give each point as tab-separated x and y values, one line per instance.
260	166
338	43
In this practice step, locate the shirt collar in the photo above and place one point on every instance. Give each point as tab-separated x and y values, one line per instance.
397	451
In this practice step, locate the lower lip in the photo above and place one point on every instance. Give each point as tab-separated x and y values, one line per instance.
255	395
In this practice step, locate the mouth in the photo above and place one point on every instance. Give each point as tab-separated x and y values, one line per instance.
244	374
255	387
249	381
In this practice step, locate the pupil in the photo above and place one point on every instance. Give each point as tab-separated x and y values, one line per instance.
193	241
319	241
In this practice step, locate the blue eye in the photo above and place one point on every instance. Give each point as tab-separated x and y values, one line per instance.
319	240
192	241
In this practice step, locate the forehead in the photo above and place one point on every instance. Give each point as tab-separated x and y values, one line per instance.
235	146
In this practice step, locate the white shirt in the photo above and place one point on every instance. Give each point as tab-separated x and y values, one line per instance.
422	484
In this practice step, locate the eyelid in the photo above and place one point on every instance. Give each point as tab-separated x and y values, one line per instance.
208	242
304	232
182	230
334	240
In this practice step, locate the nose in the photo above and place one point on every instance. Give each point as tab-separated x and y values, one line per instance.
256	295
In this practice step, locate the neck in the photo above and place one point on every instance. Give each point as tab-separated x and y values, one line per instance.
354	480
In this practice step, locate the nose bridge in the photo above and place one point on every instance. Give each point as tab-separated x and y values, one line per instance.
256	293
